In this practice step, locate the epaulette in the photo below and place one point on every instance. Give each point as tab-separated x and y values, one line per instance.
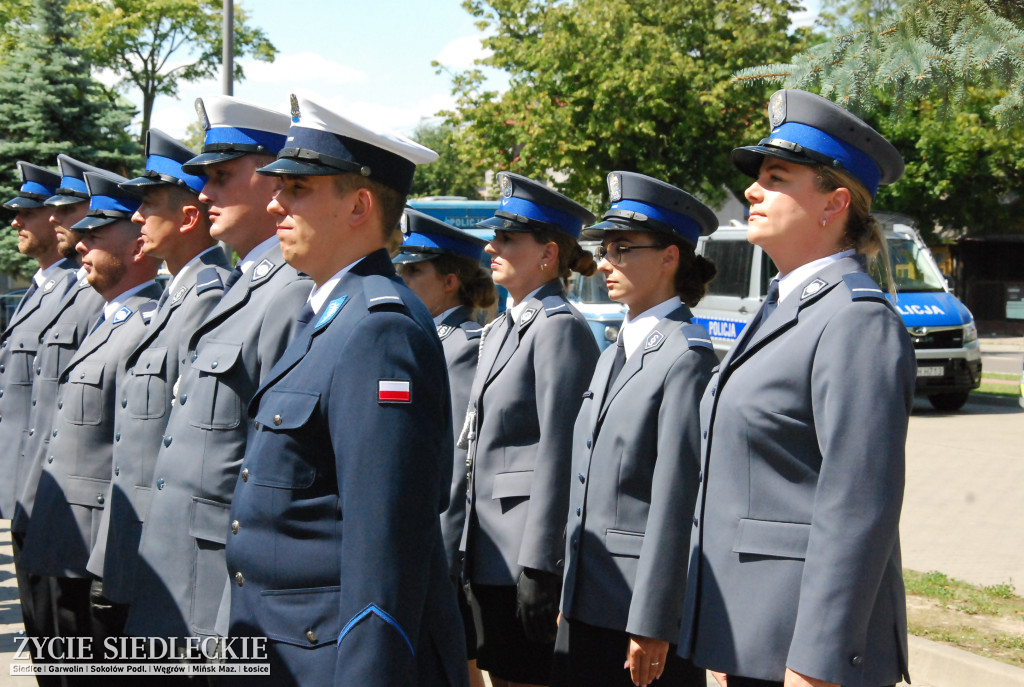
209	280
697	336
146	310
472	329
381	292
863	287
555	304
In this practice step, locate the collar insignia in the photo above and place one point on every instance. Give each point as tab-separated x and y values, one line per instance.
330	312
653	340
813	288
48	286
123	314
527	316
177	296
261	270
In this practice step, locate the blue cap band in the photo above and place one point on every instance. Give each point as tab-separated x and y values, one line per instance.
565	221
445	243
172	168
229	134
857	163
74	184
683	225
108	203
37	188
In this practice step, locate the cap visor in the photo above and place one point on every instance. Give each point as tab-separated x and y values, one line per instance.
288	166
138	183
405	258
90	223
64	200
20	203
197	165
596	231
502	224
748	158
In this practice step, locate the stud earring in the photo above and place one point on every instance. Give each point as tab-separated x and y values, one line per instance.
543	266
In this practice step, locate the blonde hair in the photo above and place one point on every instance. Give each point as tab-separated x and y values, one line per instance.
571	256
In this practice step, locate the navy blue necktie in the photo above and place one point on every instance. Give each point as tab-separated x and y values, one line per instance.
233	276
620	360
771	301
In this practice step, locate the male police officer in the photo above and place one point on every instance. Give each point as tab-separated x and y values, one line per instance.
335	548
175	228
181	577
73	487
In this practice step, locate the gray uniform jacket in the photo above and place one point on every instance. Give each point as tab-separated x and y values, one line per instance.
19	344
525	396
66	329
460	337
144	392
795	557
73	486
181	575
636	456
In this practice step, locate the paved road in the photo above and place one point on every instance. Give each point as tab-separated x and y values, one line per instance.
1002	355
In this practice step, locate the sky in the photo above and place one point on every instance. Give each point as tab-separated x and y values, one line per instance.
368	60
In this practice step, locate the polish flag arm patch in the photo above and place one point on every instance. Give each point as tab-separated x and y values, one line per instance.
394	391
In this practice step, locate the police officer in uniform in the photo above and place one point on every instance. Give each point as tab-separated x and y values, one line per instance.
335	544
636	447
175	228
73	487
441	264
535	364
795	574
180	577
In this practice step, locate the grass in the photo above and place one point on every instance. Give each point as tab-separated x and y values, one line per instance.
988	621
996	388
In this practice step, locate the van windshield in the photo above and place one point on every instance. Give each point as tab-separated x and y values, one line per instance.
912	269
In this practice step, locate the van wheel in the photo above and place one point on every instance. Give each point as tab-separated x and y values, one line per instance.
953	400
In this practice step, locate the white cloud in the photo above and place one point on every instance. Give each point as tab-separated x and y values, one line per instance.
302	67
460	53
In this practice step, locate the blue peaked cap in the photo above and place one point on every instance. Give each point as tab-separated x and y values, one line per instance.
164	159
643	203
72	187
37	184
530	206
108	202
425	238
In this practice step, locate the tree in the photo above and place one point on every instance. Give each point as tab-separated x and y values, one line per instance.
48	105
599	85
925	50
448	175
13	16
138	38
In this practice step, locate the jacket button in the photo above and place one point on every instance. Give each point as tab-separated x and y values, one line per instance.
99	499
49	459
589	442
578	511
54	432
856	660
81	376
213	365
184	397
124	402
255	424
160	483
194	356
234	527
239	578
117	437
311	636
245	474
695	522
60	405
117	471
582	478
33	401
31	432
700	476
277	420
167	441
713	390
705	434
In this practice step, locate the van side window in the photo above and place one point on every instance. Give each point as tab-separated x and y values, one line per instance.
768	272
732	260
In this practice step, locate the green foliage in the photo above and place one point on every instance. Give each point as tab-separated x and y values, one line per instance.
448	175
48	105
922	50
13	17
600	85
139	38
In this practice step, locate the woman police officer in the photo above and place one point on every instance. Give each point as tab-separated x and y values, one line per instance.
636	447
441	265
795	573
535	363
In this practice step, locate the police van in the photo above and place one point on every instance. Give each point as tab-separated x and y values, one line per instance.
942	329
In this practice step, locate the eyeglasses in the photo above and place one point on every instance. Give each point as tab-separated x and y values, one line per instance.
613	252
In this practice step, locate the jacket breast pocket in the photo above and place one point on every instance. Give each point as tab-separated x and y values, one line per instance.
146	385
58	345
624	542
23	347
510	485
214	402
82	400
771	538
285	415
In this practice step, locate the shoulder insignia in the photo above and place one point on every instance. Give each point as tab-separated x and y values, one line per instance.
653	340
262	269
555	304
121	315
146	310
863	287
813	288
208	280
48	286
697	336
471	329
394	391
443	330
527	315
330	312
380	291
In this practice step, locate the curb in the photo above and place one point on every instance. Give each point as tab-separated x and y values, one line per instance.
942	665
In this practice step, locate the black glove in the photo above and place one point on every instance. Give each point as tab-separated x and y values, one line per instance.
537	596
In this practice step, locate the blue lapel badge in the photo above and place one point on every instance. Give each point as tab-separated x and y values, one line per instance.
261	270
330	312
813	288
121	315
653	340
